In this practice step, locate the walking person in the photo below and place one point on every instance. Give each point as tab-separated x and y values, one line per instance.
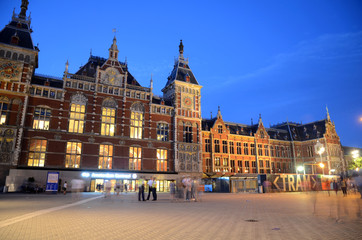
65	187
149	183
141	189
126	187
344	187
154	188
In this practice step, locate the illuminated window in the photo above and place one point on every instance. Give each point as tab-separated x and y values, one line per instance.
72	157
41	118
37	152
161	160
108	121
217	161
225	162
76	119
105	156
135	158
3	112
162	131
208	165
136	125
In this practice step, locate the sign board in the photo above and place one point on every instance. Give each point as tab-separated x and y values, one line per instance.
52	182
298	182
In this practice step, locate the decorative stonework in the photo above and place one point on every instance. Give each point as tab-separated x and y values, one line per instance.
122	142
91	140
109	103
57	136
138	107
79	98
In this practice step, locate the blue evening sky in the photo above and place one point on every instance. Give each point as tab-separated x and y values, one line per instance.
285	60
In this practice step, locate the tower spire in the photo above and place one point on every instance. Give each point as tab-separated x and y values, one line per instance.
113	50
328	117
24	7
181	49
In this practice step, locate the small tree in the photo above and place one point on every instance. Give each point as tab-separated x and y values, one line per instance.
355	163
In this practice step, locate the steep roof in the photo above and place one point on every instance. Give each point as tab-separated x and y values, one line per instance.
90	68
40	79
19	26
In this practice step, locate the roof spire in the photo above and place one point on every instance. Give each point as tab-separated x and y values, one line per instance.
328	117
113	51
24	7
218	112
181	49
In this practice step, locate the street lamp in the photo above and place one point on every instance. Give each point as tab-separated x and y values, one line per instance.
300	169
322	166
320	150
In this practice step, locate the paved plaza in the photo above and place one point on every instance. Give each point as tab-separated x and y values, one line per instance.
217	216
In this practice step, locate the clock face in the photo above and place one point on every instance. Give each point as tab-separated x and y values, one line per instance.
111	77
9	70
187	101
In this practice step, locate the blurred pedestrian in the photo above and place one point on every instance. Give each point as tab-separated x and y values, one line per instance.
154	189
358	182
335	186
108	187
126	187
65	187
172	190
149	183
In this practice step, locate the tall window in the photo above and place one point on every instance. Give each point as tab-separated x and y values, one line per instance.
162	160
232	165
252	149
162	131
271	151
219	128
231	146
283	151
76	119
207	145
136	125
217	161
240	166
208	165
135	158
217	145
187	133
108	121
3	112
260	150
105	156
266	150
246	149
238	148
37	152
72	157
225	162
224	146
277	153
41	118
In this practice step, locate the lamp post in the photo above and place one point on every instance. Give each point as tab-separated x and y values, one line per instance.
320	150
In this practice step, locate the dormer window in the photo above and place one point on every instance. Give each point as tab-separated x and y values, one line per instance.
15	39
187	77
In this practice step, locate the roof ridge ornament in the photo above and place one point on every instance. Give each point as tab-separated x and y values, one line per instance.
181	49
328	117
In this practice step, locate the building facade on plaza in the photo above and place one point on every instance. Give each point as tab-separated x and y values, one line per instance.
100	124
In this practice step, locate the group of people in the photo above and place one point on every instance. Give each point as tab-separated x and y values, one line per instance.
346	185
186	188
152	187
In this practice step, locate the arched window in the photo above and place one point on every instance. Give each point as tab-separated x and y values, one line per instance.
136	124
77	113
108	126
4	104
187	131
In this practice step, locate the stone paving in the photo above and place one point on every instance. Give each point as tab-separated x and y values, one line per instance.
217	216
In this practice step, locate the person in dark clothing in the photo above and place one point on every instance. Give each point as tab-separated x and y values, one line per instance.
335	186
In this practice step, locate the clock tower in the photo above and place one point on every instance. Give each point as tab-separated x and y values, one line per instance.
183	90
